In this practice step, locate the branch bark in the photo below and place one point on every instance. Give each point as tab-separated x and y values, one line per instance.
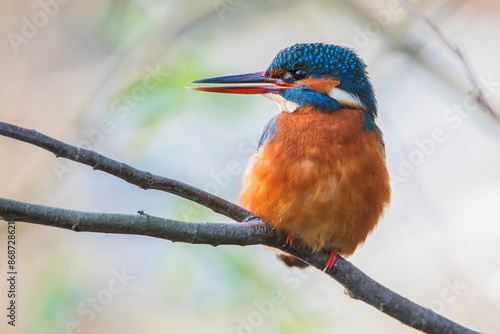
252	231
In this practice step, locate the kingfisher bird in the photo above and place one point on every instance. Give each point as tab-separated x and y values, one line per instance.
319	175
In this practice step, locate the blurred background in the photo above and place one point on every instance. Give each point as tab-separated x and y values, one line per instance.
110	76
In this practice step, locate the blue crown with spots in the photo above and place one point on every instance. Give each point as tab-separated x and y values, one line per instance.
333	61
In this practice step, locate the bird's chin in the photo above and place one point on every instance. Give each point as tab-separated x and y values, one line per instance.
283	104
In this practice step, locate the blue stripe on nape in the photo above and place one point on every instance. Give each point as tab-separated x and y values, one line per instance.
303	95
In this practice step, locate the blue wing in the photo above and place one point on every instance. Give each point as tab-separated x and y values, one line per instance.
268	133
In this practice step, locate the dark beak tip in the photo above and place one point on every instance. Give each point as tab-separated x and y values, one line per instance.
250	84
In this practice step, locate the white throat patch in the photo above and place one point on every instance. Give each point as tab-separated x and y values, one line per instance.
283	105
345	98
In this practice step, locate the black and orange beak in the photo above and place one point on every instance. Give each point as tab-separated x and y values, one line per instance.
254	83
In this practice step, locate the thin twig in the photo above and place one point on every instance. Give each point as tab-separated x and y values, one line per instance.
358	284
252	232
477	93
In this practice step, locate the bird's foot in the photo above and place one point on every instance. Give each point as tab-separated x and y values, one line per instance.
331	261
288	241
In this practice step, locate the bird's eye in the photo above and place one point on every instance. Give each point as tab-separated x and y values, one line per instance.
299	74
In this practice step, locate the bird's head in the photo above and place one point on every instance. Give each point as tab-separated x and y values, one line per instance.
325	77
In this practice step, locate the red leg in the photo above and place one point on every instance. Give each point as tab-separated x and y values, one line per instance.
288	241
331	261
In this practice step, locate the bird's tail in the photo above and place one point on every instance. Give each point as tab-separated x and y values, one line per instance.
292	261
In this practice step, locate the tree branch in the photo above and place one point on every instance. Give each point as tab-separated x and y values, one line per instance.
215	234
252	232
142	179
477	93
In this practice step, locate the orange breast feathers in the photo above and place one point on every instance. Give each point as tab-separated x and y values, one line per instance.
321	179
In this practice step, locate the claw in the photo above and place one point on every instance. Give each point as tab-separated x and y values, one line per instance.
288	241
331	261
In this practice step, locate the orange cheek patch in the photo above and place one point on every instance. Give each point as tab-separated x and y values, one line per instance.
320	85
